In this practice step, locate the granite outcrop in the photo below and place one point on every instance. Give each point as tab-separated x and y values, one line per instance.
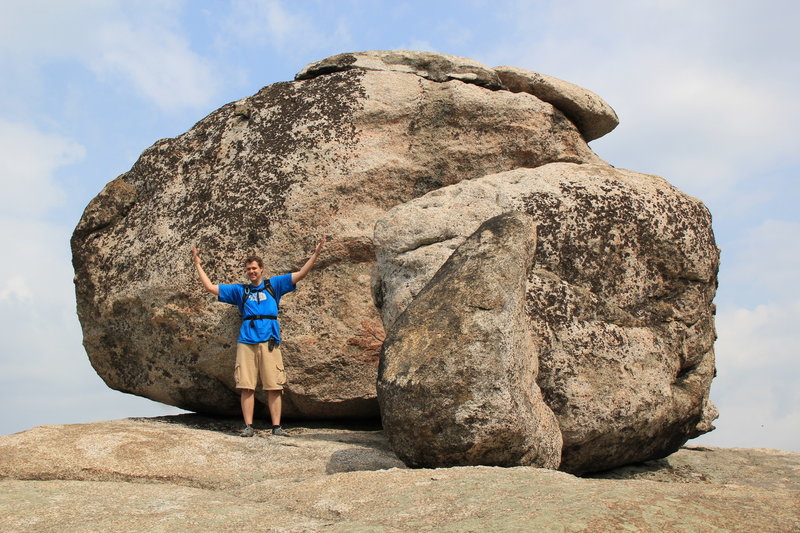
326	154
185	473
603	334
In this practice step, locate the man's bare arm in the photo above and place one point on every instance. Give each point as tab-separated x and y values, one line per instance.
303	272
207	285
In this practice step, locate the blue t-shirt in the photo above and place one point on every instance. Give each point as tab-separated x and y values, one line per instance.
259	302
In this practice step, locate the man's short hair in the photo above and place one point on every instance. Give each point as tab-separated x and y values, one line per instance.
254	259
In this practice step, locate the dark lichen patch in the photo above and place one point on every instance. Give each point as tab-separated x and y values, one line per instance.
225	178
107	208
597	241
223	186
330	65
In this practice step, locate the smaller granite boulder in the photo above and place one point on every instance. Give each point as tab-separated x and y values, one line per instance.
619	298
590	113
457	379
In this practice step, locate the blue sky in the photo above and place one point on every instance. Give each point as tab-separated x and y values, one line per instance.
706	92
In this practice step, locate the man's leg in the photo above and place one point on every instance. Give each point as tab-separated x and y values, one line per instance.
248	402
245	375
273	377
274	404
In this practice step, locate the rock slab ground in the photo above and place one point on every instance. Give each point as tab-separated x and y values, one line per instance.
190	473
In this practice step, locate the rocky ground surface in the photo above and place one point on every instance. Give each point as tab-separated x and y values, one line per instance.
191	473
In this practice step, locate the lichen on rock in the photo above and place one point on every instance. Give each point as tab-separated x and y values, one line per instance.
326	154
399	157
619	298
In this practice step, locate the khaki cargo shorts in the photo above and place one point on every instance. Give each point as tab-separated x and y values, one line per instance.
254	361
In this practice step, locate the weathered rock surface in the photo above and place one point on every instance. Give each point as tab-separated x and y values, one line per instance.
619	328
327	155
593	116
429	65
619	298
590	113
191	474
457	379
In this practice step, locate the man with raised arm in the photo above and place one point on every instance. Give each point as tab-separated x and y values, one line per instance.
258	353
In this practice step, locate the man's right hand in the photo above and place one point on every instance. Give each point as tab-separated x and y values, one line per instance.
207	285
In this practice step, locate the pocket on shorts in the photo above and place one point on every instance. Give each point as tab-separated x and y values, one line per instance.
281	375
236	374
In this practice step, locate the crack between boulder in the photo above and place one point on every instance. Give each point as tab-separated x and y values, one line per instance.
426	242
104	475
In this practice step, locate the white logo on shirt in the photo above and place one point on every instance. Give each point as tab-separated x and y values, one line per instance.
257	297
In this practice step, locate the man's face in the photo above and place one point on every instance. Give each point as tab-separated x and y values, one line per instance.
253	272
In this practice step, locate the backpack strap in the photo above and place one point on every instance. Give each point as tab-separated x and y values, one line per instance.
269	289
248	289
253	318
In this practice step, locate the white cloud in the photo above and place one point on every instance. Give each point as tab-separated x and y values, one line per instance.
157	62
744	423
765	262
269	22
132	46
50	28
418	45
705	128
456	34
757	389
705	100
37	305
36	264
28	159
16	288
298	31
758	338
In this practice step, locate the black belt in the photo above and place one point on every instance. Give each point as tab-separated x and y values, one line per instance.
259	317
253	318
272	342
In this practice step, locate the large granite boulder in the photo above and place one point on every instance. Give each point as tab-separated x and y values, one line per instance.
327	154
457	380
619	299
